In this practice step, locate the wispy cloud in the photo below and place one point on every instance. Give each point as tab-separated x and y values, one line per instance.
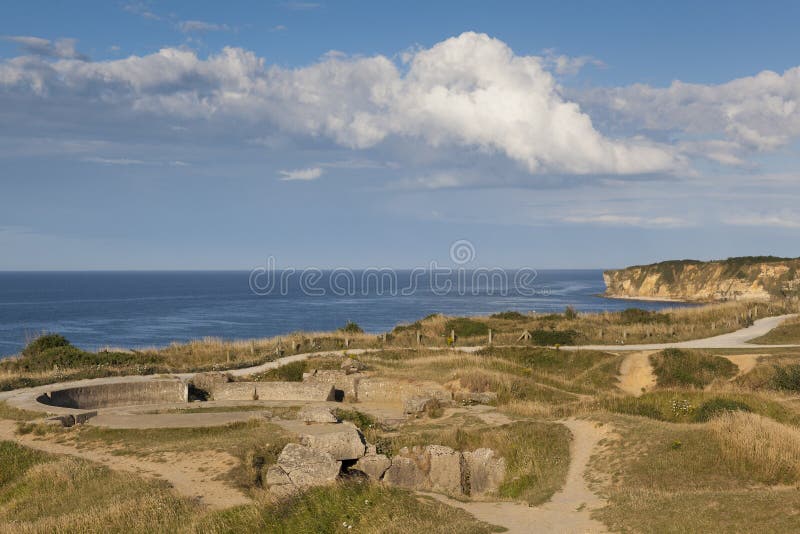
312	173
612	219
60	48
141	9
568	65
115	161
775	220
190	26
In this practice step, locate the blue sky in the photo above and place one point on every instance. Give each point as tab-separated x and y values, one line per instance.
207	135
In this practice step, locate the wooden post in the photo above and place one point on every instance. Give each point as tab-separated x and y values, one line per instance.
346	342
490	336
252	348
453	336
228	355
419	339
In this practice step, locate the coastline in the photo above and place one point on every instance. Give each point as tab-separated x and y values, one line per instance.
650	299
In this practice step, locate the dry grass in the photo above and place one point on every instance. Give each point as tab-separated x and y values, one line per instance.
663	477
786	333
761	448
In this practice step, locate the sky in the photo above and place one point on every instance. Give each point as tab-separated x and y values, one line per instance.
208	135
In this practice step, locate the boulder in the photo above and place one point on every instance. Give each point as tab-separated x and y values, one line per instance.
317	414
276	476
344	442
405	472
445	471
419	404
308	467
486	471
373	465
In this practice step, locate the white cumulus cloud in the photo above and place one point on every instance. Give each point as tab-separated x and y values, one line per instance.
468	93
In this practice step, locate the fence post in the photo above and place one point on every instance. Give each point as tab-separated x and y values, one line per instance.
490	336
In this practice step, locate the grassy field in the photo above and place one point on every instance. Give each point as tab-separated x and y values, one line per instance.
663	477
42	493
787	333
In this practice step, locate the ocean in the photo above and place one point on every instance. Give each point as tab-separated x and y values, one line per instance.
143	309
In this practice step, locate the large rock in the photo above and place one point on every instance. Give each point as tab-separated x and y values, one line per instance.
445	472
373	465
317	414
407	472
433	468
419	404
486	471
344	442
308	467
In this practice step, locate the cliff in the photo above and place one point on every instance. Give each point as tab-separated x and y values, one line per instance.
747	278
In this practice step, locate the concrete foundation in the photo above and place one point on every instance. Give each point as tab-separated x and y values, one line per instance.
274	391
120	394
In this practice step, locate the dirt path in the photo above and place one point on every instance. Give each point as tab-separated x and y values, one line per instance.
745	362
192	475
636	374
568	512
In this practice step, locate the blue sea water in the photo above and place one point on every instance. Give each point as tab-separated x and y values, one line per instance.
139	309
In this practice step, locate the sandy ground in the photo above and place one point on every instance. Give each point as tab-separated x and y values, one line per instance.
192	475
636	374
569	510
745	362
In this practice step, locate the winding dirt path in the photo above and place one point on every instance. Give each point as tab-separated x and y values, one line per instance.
192	475
636	374
568	512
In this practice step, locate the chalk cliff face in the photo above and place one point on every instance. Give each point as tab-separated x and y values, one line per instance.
749	278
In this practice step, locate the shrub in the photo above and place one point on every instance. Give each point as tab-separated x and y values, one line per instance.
554	337
291	372
43	343
640	316
674	367
570	313
466	327
717	406
787	378
351	328
509	316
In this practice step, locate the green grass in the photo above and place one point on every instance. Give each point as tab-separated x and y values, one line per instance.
786	333
291	372
675	368
466	327
47	493
17	414
346	507
692	406
537	453
674	478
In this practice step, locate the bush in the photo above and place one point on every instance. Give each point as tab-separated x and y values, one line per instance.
674	367
291	372
786	378
717	406
466	327
554	337
640	316
43	343
351	328
570	313
509	316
